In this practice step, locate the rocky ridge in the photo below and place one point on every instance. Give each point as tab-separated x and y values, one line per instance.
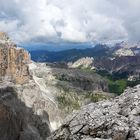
117	119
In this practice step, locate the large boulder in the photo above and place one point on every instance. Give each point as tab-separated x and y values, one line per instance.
117	119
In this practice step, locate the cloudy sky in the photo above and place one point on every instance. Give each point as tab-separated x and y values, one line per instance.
71	20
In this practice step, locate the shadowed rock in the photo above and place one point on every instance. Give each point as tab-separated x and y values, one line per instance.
18	122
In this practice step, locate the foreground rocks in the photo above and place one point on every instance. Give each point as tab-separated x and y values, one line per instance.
118	119
26	112
19	122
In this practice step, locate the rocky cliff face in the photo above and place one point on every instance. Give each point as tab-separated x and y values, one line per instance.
13	61
117	119
24	111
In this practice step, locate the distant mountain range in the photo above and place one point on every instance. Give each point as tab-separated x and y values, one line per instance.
69	55
98	51
57	46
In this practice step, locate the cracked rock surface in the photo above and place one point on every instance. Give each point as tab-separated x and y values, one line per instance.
117	119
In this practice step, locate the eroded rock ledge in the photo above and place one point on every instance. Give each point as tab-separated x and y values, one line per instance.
118	119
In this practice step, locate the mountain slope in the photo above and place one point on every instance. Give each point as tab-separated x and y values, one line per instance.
117	119
69	88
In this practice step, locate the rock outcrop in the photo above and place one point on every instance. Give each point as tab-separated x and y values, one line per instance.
118	119
84	62
124	52
13	61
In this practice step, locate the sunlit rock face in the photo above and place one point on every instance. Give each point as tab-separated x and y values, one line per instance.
84	62
124	52
13	61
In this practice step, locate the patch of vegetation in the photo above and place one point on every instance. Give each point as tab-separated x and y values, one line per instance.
117	82
95	97
64	86
72	79
133	83
117	86
68	103
104	74
114	76
88	69
62	77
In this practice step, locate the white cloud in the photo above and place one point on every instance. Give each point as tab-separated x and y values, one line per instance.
70	20
8	26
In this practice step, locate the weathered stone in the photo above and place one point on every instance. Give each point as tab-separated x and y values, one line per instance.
118	119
